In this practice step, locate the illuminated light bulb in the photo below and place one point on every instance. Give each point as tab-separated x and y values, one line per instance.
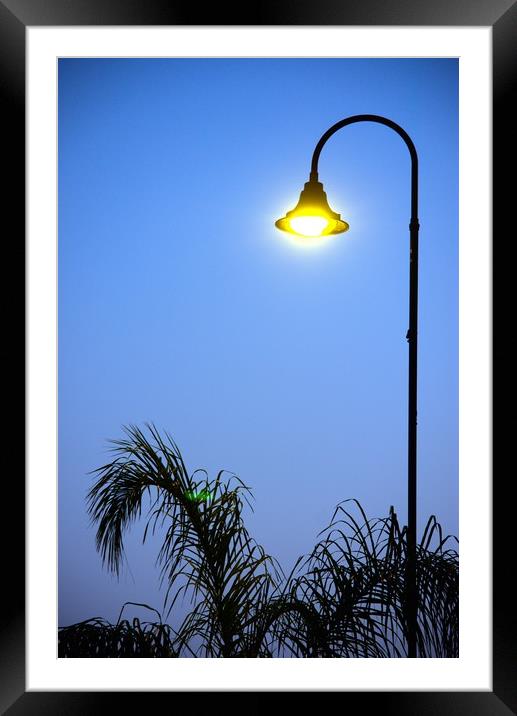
309	225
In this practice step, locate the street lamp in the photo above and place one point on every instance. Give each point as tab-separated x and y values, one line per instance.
313	217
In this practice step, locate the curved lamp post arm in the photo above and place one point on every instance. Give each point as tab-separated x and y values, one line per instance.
411	583
379	120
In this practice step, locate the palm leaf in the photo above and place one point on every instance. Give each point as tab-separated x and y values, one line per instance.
347	598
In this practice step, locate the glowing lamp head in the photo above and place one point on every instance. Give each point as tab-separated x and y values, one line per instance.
312	216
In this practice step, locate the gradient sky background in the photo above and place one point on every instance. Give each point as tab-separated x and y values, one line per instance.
182	305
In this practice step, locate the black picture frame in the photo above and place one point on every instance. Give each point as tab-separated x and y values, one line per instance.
15	17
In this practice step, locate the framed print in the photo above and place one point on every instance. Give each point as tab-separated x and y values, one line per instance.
224	284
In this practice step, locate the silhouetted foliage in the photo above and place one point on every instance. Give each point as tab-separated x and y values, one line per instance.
345	599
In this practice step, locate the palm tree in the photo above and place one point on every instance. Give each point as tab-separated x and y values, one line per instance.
346	599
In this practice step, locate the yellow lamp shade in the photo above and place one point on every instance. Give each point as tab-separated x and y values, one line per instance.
312	216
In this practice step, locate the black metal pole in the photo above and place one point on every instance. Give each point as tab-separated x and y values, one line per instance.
412	338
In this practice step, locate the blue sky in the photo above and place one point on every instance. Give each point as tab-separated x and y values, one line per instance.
181	304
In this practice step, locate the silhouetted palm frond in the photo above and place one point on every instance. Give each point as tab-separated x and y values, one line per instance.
353	588
347	598
438	593
96	637
207	550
